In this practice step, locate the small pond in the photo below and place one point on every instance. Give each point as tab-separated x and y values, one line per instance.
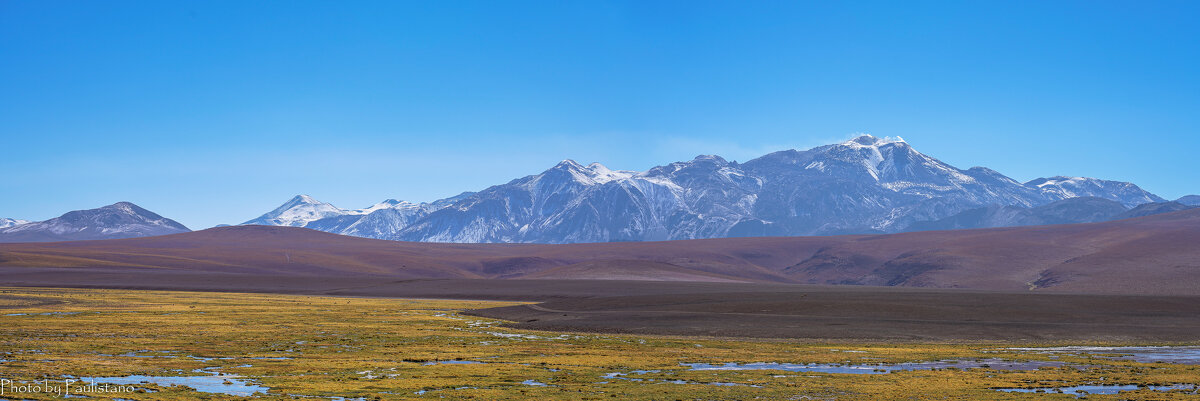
214	383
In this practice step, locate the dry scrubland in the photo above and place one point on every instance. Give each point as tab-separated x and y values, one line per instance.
1152	255
381	349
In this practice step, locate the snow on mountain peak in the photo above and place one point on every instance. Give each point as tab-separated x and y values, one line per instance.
1063	187
387	204
1064	184
869	140
305	199
866	184
6	222
602	174
297	212
592	174
130	209
305	211
1059	180
713	158
126	207
567	164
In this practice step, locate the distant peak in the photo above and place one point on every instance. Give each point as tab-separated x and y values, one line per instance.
568	164
984	170
571	165
715	158
1190	200
386	204
865	140
305	199
869	140
301	200
9	222
594	173
297	211
1058	179
127	207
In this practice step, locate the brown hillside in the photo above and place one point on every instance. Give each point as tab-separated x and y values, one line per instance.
1148	255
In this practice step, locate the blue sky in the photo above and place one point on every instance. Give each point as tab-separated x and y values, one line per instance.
214	112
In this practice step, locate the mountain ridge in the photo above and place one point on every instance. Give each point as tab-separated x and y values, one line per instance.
866	185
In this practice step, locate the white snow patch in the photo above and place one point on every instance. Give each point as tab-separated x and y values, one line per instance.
9	222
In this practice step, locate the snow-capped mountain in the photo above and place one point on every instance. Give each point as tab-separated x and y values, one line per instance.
380	220
870	184
569	202
376	221
1060	187
299	211
119	220
6	222
864	185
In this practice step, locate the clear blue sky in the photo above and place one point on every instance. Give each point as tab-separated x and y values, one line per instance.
214	112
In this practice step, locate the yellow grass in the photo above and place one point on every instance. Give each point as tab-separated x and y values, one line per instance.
378	349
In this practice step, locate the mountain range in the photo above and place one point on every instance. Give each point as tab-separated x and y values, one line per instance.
866	185
861	186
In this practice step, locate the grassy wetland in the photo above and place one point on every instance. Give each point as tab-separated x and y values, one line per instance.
155	345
